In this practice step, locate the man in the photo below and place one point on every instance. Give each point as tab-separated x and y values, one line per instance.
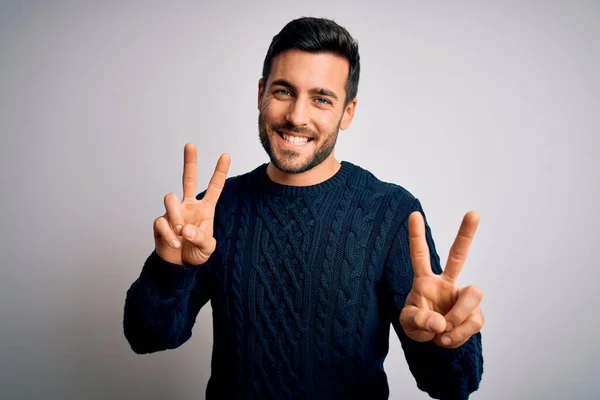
306	260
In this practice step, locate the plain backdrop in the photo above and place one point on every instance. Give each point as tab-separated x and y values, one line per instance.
487	106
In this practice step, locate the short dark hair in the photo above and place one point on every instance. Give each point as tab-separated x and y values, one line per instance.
317	35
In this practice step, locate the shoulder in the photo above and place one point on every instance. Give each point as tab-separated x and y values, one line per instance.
391	194
238	182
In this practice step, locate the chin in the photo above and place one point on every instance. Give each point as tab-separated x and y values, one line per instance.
291	167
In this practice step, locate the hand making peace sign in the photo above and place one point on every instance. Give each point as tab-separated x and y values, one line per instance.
436	308
184	234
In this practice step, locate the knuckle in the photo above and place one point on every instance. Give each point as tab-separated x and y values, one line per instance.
161	227
447	284
456	257
453	318
172	209
479	320
475	292
479	324
189	207
212	245
456	318
419	253
216	185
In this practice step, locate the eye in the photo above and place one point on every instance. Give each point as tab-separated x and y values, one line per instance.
282	92
323	100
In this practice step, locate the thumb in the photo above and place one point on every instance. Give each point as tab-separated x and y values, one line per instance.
203	245
421	325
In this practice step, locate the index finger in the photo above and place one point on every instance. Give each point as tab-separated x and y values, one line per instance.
189	171
419	251
215	186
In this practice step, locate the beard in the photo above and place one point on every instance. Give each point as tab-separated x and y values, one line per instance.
285	161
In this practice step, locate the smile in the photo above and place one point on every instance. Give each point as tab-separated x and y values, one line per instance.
295	140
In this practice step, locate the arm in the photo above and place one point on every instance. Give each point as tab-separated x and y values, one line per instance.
442	373
161	306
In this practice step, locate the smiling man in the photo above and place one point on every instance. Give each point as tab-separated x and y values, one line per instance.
308	261
301	113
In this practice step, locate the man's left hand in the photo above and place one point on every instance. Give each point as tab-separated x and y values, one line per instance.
436	308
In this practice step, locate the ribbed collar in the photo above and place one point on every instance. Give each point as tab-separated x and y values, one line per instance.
339	178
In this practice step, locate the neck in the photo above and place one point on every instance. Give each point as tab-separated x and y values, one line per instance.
314	176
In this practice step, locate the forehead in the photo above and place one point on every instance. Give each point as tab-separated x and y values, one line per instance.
311	70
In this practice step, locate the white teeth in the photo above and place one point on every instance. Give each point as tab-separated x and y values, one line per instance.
298	141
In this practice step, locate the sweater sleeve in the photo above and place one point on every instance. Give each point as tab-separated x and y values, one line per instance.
442	373
162	304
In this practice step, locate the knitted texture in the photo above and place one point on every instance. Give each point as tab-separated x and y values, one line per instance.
304	286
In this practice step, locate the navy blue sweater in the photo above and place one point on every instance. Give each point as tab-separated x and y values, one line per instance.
304	286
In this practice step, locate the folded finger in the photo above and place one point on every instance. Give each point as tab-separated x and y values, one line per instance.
413	319
163	230
468	300
173	212
460	334
205	243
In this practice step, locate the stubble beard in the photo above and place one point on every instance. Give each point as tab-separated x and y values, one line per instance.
281	162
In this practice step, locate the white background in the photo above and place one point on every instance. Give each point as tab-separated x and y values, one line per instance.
491	106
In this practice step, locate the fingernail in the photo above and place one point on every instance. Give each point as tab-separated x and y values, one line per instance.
430	325
175	243
446	340
178	229
449	326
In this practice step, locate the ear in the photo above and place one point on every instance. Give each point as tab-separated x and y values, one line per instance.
261	88
348	114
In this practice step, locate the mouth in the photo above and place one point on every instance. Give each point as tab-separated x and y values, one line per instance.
294	139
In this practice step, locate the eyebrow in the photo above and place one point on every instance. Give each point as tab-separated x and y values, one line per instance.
319	91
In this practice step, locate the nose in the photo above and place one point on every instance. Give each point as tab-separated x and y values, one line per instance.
297	114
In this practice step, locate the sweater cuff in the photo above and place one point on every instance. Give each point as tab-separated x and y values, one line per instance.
463	358
168	276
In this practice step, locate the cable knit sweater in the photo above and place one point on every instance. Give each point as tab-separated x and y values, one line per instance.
304	286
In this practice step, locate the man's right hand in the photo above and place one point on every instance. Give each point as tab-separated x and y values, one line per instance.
184	234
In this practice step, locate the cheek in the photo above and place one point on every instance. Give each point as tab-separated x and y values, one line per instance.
272	108
326	123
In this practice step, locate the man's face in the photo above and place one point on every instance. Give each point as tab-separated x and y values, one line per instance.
301	109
